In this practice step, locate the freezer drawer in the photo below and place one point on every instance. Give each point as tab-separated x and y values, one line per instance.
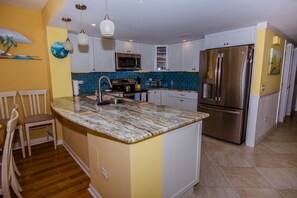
223	123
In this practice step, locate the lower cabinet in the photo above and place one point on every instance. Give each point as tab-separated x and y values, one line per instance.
179	99
154	96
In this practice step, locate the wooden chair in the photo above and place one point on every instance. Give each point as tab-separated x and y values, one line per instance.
5	115
37	118
8	177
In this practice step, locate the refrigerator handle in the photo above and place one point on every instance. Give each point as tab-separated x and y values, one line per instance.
221	110
216	76
220	76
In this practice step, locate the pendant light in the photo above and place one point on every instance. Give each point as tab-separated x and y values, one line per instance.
67	44
82	37
106	26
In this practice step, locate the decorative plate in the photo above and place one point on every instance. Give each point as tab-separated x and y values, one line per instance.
58	50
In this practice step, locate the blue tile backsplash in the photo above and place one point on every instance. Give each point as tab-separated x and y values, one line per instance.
181	80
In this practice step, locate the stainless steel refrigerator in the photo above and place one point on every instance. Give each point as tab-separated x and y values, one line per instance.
224	84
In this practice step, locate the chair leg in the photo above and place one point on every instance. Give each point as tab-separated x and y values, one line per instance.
54	133
20	127
15	168
47	135
28	139
14	182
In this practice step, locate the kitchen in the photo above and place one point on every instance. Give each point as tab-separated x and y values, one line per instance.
59	79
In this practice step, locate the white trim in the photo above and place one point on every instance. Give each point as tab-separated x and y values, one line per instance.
83	166
94	192
262	25
252	121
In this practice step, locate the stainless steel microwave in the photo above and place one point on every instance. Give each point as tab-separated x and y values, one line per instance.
127	62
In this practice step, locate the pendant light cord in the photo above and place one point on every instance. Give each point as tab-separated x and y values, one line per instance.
106	8
81	23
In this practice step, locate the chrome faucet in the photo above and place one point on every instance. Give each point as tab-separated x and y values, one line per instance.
99	85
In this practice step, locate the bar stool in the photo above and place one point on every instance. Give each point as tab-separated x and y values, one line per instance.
8	177
37	117
5	114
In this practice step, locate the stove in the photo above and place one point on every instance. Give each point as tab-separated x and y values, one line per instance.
127	87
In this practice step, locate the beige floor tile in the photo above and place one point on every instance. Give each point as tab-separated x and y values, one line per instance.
288	193
263	160
246	178
260	148
280	147
213	175
227	159
218	145
215	192
280	136
280	178
257	193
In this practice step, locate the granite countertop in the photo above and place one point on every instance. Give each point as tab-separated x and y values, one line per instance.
130	121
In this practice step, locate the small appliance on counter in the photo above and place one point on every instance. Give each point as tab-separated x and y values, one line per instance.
75	87
129	88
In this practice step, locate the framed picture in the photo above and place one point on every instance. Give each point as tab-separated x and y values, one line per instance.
275	62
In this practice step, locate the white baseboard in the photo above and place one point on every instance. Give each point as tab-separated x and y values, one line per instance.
83	166
94	192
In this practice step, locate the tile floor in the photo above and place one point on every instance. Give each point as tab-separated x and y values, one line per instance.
268	170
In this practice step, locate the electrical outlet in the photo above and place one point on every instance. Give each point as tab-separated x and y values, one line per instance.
104	172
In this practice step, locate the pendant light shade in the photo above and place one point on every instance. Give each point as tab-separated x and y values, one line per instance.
107	26
67	44
82	37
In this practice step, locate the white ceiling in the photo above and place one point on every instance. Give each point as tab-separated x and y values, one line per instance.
31	4
171	21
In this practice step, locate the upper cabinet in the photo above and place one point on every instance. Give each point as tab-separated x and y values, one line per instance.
127	47
190	54
161	58
104	56
147	58
235	37
81	57
175	57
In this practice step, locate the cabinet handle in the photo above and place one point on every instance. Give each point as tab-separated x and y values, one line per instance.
181	100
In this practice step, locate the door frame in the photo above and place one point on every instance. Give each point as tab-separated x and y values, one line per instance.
292	83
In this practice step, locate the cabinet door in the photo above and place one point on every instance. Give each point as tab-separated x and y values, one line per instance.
243	36
104	55
154	96
190	105
165	97
161	58
174	57
191	53
216	40
81	57
147	60
127	47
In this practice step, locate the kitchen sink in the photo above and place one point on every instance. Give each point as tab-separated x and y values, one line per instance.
112	101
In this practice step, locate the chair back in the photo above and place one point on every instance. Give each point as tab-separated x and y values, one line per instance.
7	152
35	97
4	103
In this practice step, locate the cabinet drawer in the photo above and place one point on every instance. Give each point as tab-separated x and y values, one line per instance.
183	103
183	94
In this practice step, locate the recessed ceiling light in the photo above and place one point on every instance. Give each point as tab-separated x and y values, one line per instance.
131	40
94	24
140	1
184	40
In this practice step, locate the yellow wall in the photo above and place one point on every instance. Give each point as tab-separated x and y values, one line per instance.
60	73
146	168
24	74
264	39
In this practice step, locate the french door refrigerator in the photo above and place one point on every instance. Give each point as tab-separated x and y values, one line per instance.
224	86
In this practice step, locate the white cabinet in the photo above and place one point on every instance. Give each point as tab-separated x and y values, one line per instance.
183	100
161	58
147	58
81	57
165	97
235	37
175	57
104	54
190	54
127	47
154	96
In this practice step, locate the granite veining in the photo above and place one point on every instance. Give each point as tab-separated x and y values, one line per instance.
130	121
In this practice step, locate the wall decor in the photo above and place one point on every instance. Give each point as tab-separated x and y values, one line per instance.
10	38
58	50
275	62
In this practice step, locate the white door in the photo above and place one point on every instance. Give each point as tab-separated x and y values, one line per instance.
285	82
292	84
